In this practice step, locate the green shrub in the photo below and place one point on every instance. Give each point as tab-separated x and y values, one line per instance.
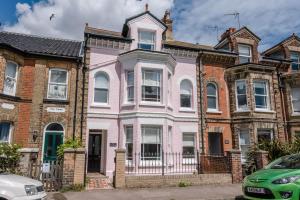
184	184
9	157
74	188
69	143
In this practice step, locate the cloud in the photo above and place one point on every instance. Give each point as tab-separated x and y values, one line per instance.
70	16
271	20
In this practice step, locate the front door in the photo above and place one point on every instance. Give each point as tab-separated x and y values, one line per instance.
52	141
215	143
94	154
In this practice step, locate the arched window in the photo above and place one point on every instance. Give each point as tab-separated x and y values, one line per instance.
101	89
10	81
212	96
53	138
186	90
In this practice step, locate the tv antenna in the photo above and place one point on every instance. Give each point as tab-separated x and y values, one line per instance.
215	28
236	16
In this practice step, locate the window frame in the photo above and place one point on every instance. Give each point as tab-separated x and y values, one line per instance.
66	84
144	158
188	158
108	88
190	95
267	95
216	96
126	127
160	93
236	95
292	99
265	129
153	46
129	86
295	62
243	158
15	79
9	132
244	55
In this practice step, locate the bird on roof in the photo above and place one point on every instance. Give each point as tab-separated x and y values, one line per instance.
52	16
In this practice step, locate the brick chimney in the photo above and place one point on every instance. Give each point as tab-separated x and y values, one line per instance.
169	22
227	33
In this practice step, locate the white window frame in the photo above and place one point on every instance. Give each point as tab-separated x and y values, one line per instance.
190	95
292	100
296	62
236	95
266	95
126	143
190	160
15	79
159	74
140	31
108	89
66	84
160	132
216	96
128	86
243	159
169	89
244	55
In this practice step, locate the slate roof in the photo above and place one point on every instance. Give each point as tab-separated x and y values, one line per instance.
187	45
37	45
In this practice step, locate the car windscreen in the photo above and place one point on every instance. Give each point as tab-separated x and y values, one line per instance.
287	162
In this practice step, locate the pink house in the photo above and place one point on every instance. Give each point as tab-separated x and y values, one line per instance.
142	93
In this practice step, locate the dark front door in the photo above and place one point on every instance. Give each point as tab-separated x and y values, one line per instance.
215	143
94	158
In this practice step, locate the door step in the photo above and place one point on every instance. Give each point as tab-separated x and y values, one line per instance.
98	182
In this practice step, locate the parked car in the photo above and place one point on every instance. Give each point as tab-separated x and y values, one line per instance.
278	180
14	187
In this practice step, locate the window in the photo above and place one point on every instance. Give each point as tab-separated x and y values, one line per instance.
244	141
261	95
5	132
295	58
186	94
10	81
151	85
188	145
57	86
264	135
212	96
129	142
130	86
169	88
245	53
151	143
296	100
146	40
241	95
215	142
101	88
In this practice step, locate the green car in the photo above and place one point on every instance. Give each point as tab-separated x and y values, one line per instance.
278	180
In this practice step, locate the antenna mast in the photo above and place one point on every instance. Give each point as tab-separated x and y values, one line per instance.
236	16
215	28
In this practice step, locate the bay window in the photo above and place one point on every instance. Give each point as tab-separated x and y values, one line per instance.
241	95
295	57
151	85
244	141
264	135
129	142
57	85
5	132
245	54
186	94
101	87
151	143
146	40
130	86
212	97
10	79
261	94
188	145
295	96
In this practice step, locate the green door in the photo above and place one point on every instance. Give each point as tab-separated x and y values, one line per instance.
52	141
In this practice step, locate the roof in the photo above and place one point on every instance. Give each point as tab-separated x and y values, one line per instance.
293	36
187	45
105	33
38	45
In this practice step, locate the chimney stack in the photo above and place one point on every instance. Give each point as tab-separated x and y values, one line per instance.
227	33
169	22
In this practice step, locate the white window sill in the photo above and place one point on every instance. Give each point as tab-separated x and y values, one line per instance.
94	105
264	111
214	111
242	111
295	114
128	104
188	110
152	104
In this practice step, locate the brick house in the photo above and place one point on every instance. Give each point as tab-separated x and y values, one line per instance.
40	92
289	49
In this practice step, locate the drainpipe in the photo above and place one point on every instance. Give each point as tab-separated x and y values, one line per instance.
201	104
279	77
75	103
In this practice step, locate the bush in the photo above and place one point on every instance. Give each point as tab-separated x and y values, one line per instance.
74	188
69	143
9	157
184	184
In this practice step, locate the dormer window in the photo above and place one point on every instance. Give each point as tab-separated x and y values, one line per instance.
245	55
146	40
295	58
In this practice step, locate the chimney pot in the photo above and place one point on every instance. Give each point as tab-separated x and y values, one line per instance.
146	7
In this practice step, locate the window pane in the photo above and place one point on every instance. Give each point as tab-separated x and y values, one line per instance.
261	101
244	50
185	87
188	139
146	46
55	127
58	76
101	81
188	152
260	88
9	85
129	142
185	101
241	87
264	135
11	70
244	59
57	91
211	89
244	137
130	78
296	99
129	134
100	95
151	143
295	66
212	102
151	78
130	93
4	131
242	102
146	37
151	93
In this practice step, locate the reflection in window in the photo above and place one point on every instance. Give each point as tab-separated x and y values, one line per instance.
186	94
261	94
188	145
5	131
146	40
212	99
10	80
245	53
295	57
151	85
241	95
57	87
101	88
151	143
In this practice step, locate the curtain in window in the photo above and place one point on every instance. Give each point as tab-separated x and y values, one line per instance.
151	143
57	84
10	78
188	145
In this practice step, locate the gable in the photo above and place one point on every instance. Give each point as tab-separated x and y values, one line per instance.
246	34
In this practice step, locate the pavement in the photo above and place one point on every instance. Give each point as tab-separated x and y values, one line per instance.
207	192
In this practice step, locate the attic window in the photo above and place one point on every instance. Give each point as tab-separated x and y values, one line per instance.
295	61
146	40
245	55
